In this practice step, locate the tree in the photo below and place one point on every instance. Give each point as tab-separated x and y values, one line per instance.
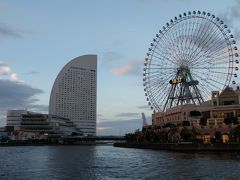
169	125
218	136
203	120
194	134
195	113
235	120
186	135
186	123
236	133
227	120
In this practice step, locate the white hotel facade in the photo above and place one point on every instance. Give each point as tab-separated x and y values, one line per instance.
74	92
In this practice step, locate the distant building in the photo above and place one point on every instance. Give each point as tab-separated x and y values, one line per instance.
74	92
23	120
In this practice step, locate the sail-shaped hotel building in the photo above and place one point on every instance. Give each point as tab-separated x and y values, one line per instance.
74	93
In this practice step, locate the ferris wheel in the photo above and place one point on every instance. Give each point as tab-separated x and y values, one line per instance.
192	55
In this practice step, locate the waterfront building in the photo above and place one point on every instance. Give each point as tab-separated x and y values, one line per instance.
13	118
220	114
40	123
74	92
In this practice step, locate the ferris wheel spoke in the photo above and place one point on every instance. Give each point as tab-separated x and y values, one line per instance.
188	34
162	68
188	38
215	80
163	53
158	75
161	73
168	46
212	74
182	40
165	80
200	39
212	67
206	40
206	90
160	80
222	73
173	46
174	40
193	34
202	47
207	82
220	56
217	48
219	72
165	58
162	65
196	35
198	59
161	94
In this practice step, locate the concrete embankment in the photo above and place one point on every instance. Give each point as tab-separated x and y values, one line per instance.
182	146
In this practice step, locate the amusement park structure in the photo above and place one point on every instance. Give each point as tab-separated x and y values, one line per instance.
191	56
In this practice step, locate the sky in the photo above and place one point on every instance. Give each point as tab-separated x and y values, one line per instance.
37	38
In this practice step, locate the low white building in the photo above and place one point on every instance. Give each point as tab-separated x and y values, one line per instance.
40	123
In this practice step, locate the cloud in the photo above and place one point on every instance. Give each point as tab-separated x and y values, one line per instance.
103	128
118	127
39	108
18	95
231	17
146	107
111	56
131	68
5	70
6	31
99	115
124	123
32	72
122	70
129	115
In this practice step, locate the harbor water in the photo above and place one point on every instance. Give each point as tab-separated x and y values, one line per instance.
107	162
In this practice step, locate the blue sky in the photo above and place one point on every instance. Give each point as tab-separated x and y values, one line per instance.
39	37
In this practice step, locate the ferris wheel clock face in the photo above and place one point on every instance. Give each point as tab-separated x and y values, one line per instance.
192	55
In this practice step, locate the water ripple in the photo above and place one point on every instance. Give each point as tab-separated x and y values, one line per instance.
107	162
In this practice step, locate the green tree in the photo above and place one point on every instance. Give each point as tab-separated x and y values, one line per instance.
203	120
186	123
169	125
186	134
227	120
235	120
218	136
235	132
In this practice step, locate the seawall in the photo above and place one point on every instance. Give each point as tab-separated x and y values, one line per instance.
182	146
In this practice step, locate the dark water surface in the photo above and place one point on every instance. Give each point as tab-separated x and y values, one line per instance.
107	162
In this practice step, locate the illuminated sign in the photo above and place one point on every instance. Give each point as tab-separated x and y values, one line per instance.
177	80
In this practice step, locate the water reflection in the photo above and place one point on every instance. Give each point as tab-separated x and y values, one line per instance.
107	162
